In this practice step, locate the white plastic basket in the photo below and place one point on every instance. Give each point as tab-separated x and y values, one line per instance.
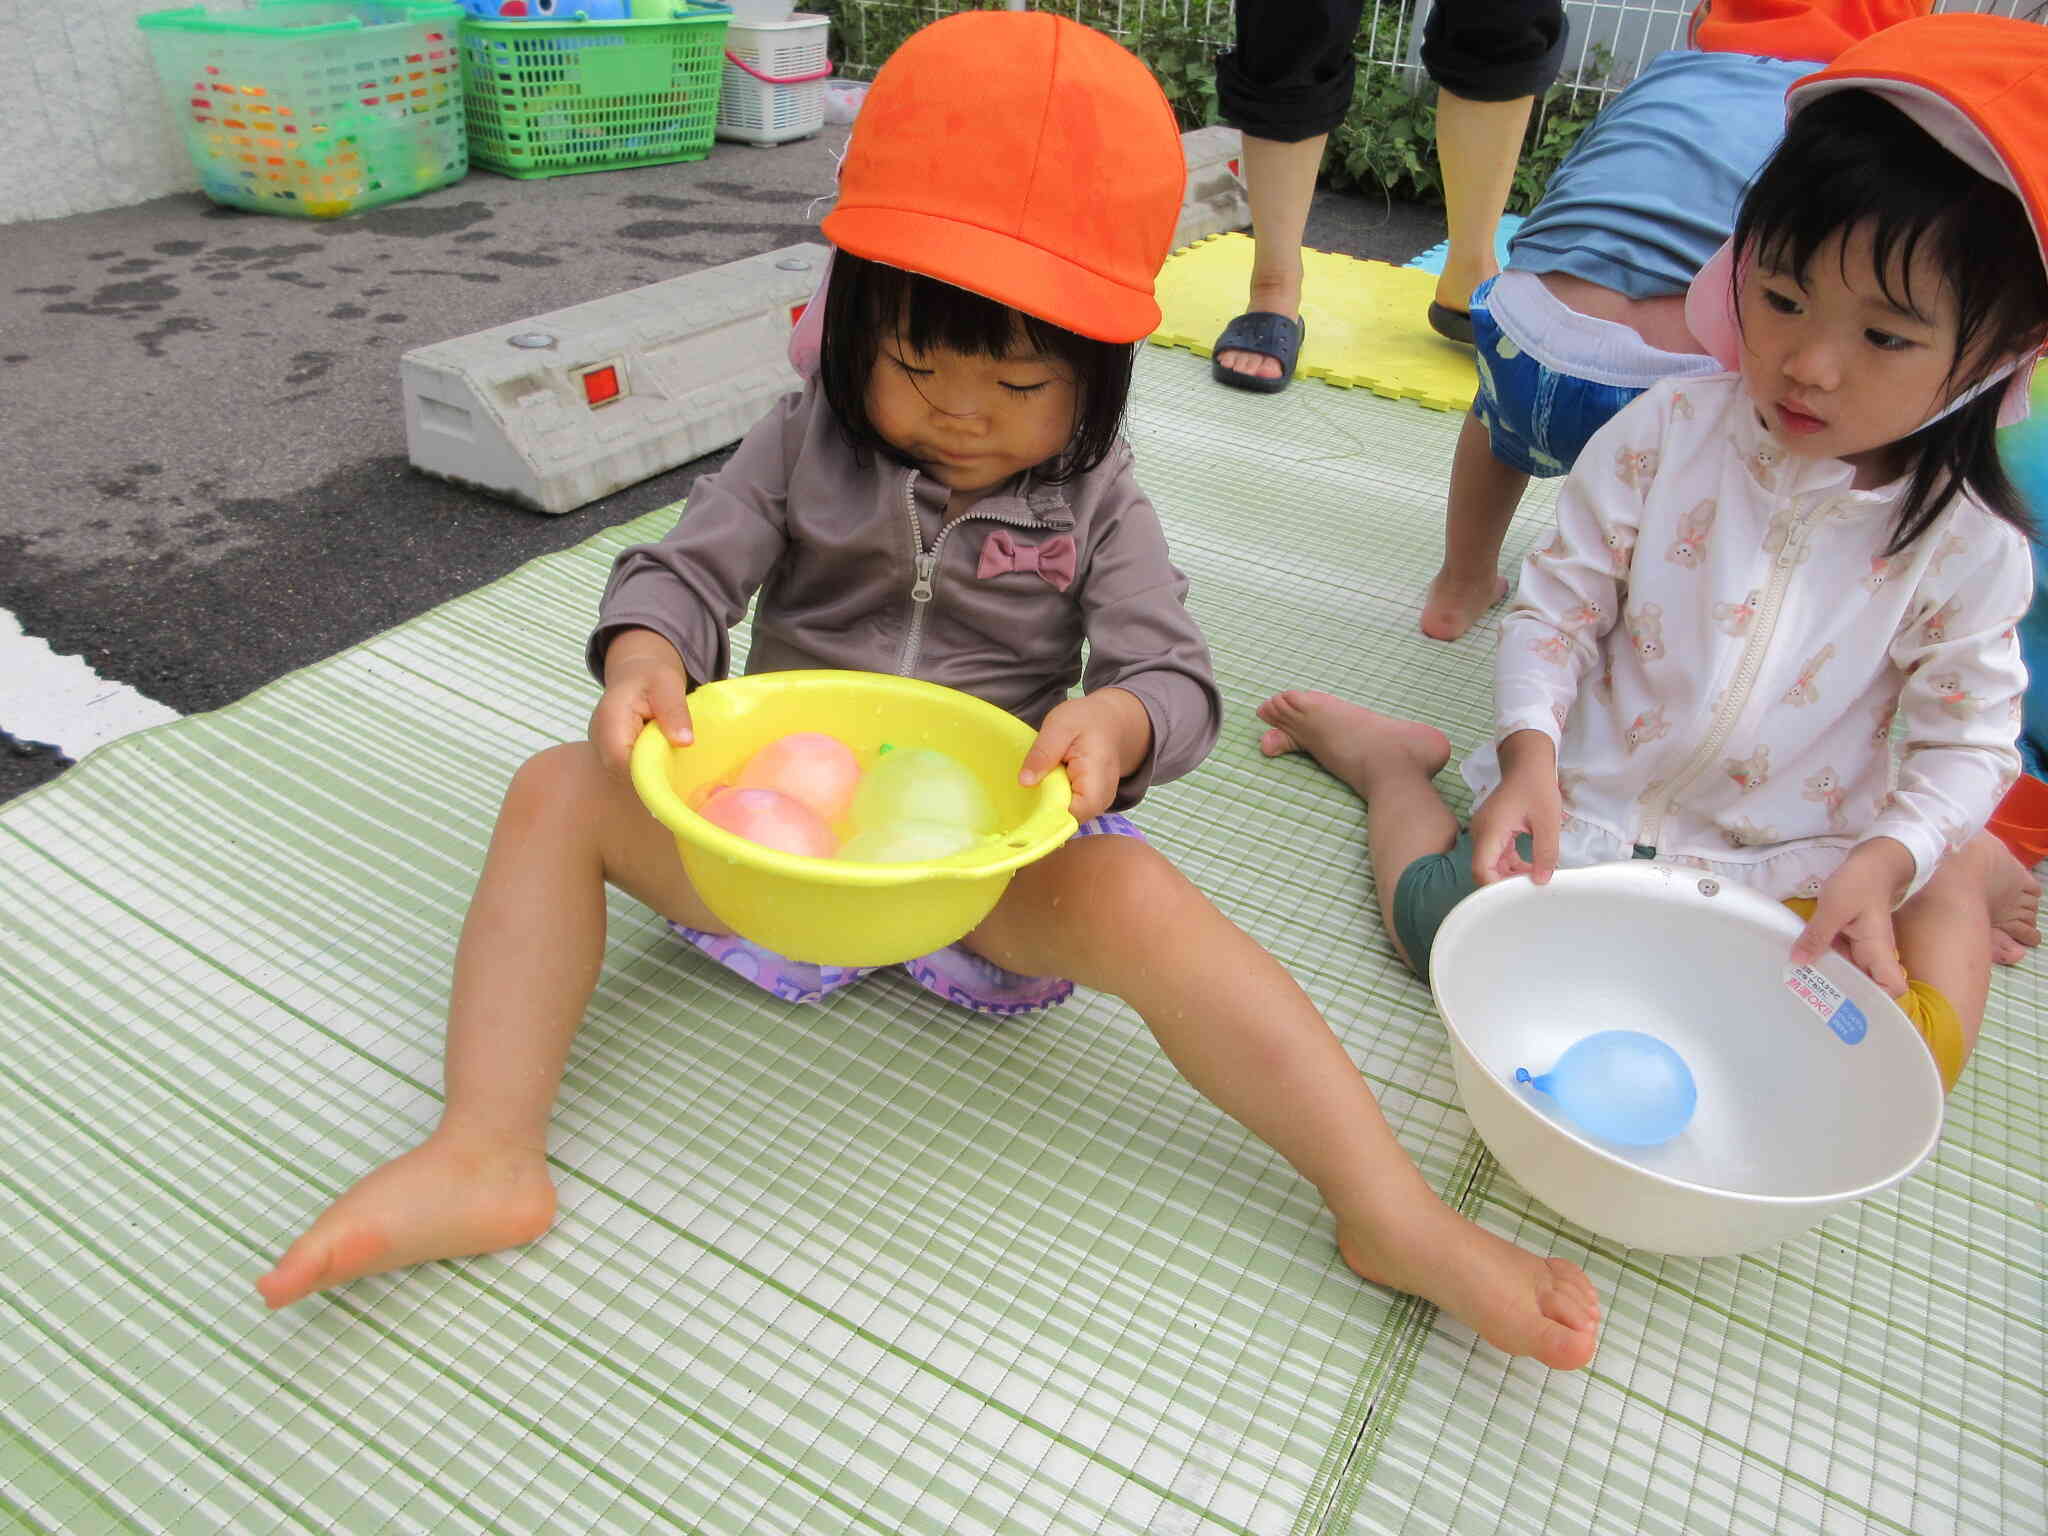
774	86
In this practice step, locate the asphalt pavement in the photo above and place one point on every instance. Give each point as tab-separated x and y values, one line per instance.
206	478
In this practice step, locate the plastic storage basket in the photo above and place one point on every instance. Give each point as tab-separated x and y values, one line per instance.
315	108
774	80
551	98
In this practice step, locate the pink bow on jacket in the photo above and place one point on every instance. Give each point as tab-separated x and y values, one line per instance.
1054	559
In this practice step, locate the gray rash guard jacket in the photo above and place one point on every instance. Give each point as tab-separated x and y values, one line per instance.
858	567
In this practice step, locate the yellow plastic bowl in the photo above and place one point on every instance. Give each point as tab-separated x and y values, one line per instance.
837	911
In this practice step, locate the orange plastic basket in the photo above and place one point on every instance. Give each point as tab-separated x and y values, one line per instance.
2021	820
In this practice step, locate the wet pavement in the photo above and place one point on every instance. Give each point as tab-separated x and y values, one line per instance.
207	482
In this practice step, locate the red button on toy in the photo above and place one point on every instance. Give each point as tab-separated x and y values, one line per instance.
601	384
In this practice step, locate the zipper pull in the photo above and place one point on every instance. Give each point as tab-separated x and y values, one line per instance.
921	591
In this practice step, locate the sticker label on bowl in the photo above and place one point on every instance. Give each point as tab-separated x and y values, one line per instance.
1827	1000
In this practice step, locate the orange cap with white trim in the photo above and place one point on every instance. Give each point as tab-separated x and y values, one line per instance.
1023	157
1978	86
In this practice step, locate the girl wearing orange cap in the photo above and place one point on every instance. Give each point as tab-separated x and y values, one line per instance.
950	499
1755	573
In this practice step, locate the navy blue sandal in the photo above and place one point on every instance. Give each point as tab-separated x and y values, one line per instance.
1267	334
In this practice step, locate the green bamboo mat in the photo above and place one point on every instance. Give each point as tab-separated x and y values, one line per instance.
881	1266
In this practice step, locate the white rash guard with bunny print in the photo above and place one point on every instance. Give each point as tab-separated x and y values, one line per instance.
1718	646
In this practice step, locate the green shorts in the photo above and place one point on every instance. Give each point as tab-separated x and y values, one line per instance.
1437	882
1426	892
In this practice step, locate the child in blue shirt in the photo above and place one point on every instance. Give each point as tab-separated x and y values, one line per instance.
1589	312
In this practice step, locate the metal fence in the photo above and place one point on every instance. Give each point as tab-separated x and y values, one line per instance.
1610	41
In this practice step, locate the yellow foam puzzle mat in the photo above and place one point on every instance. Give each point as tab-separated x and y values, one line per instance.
1367	325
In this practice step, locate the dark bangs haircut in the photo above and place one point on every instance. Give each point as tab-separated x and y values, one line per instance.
867	303
1852	157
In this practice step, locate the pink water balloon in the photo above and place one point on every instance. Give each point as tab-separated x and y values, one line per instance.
770	818
809	766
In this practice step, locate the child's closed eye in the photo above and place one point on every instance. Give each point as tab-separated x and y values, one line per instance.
1025	389
1781	301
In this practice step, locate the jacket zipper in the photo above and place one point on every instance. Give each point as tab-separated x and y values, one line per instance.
925	565
1737	693
921	584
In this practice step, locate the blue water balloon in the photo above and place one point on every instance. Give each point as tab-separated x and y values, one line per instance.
1621	1085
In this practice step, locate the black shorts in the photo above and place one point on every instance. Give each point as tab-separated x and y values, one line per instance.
1290	77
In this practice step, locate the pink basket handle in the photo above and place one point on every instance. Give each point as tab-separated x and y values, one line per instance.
816	74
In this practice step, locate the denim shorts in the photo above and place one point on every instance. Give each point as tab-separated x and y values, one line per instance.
1549	377
955	973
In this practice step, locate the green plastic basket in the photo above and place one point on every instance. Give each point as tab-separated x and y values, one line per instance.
553	98
315	108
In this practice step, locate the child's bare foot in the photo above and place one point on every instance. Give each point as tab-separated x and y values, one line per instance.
442	1200
1453	607
1348	739
1517	1301
2012	894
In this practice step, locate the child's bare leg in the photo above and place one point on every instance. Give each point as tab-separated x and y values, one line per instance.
1978	904
527	963
1483	497
1390	764
1114	914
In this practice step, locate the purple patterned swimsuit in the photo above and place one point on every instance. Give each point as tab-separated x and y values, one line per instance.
954	973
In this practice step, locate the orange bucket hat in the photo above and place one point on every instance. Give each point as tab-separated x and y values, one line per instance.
1023	157
1978	86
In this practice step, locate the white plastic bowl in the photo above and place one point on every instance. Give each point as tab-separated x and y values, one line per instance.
1800	1112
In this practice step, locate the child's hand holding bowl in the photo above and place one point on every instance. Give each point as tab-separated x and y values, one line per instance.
643	680
1098	739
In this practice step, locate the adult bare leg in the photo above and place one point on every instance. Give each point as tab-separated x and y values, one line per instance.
1478	144
1280	181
